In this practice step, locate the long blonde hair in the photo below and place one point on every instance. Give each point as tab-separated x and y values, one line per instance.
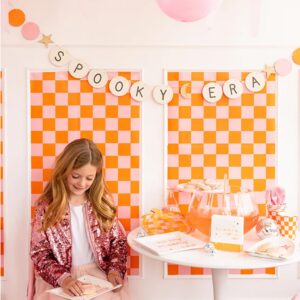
75	155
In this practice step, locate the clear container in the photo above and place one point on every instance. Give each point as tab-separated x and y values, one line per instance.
171	203
236	201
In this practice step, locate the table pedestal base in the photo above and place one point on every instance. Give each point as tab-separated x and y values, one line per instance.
219	280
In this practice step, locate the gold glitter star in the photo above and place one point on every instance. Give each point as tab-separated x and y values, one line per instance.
269	70
46	40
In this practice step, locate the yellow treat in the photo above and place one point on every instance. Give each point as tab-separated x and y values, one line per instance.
89	289
156	211
277	252
158	222
264	248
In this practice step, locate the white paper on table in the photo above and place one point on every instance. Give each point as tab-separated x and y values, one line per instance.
102	287
273	243
165	243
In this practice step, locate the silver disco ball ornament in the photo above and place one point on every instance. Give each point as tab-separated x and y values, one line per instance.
266	227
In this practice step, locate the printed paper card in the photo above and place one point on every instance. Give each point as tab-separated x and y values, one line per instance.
227	232
166	243
96	287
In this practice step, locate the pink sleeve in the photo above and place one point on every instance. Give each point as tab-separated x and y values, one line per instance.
41	253
118	249
61	279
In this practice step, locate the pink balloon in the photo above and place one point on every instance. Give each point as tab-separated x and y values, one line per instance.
188	10
30	31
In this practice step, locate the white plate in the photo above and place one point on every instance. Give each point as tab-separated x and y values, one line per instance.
104	287
165	243
282	248
186	187
189	187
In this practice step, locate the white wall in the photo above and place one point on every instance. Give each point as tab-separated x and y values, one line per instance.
135	34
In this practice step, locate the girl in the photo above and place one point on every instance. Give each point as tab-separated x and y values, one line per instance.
75	231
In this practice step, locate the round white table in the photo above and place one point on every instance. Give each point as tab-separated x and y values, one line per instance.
219	263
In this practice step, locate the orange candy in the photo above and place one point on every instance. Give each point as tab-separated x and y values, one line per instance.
16	17
296	56
158	222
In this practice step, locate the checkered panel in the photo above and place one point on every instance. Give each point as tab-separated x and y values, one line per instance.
64	109
274	215
1	183
234	137
288	225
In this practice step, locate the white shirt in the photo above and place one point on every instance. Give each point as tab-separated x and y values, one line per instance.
81	250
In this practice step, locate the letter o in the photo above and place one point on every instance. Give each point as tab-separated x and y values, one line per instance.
97	78
119	86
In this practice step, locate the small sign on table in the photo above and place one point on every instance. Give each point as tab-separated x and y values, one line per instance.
227	232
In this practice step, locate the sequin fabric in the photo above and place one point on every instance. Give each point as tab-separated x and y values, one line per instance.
51	250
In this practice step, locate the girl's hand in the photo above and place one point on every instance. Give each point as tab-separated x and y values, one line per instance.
72	287
115	278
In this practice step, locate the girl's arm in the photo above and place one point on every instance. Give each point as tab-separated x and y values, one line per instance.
41	253
118	249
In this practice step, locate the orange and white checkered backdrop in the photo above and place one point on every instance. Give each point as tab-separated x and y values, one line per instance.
64	109
1	180
236	137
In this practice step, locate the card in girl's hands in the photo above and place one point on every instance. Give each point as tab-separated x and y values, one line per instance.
94	287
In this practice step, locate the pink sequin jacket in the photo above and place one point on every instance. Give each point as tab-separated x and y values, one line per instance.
51	251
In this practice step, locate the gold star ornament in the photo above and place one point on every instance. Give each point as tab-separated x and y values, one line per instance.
269	70
46	40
